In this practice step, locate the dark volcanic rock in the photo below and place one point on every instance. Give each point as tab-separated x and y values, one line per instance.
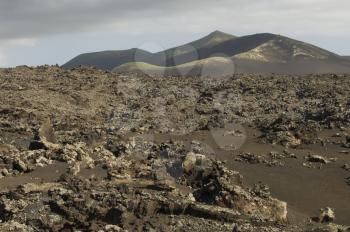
136	153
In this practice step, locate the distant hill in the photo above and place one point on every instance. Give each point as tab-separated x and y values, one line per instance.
257	53
106	60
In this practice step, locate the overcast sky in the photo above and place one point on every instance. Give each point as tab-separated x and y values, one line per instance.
35	32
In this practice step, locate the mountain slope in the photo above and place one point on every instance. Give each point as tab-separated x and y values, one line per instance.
227	48
311	66
257	53
107	60
282	50
210	40
190	52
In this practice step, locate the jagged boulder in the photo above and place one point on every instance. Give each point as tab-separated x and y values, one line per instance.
45	137
216	185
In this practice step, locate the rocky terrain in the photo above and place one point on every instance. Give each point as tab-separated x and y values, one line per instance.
91	150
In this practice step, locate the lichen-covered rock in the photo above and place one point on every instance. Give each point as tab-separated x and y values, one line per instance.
13	226
327	215
317	159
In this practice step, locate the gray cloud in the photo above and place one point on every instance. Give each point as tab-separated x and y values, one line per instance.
28	20
35	18
31	18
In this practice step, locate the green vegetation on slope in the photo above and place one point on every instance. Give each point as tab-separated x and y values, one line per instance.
213	66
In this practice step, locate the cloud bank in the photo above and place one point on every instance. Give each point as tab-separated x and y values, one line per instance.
38	20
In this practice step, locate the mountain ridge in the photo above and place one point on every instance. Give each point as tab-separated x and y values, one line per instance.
256	53
107	59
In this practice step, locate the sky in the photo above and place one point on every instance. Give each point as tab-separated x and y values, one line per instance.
37	32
